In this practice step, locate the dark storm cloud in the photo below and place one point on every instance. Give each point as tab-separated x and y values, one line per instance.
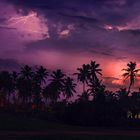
110	11
87	13
97	42
88	18
83	18
79	41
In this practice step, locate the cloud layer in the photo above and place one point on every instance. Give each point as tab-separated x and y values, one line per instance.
72	33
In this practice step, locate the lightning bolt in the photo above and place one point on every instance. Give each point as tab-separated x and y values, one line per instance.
29	24
22	19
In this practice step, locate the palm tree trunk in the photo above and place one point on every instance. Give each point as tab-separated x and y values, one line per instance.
84	86
129	89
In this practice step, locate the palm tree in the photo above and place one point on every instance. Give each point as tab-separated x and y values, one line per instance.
94	83
83	75
26	72
39	78
69	87
41	74
24	83
6	85
94	71
131	72
55	87
97	91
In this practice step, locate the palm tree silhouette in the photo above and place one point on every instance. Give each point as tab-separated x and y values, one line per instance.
94	82
6	85
69	87
97	90
41	74
26	72
94	70
39	78
55	87
131	72
83	75
24	83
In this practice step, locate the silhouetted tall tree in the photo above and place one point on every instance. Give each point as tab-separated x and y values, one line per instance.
6	84
24	83
69	87
55	87
39	78
83	75
26	72
41	74
94	82
94	71
98	91
131	72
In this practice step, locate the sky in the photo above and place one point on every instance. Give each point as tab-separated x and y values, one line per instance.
68	33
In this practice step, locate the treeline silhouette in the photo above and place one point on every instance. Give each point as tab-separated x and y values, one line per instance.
38	92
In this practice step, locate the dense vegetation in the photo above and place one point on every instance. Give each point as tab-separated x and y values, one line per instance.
37	92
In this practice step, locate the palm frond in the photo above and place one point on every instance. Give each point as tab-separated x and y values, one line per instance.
137	70
125	74
126	78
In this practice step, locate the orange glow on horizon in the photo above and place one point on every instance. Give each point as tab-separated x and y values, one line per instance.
114	68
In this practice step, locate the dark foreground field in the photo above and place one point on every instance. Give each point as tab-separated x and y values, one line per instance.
13	128
71	137
66	136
